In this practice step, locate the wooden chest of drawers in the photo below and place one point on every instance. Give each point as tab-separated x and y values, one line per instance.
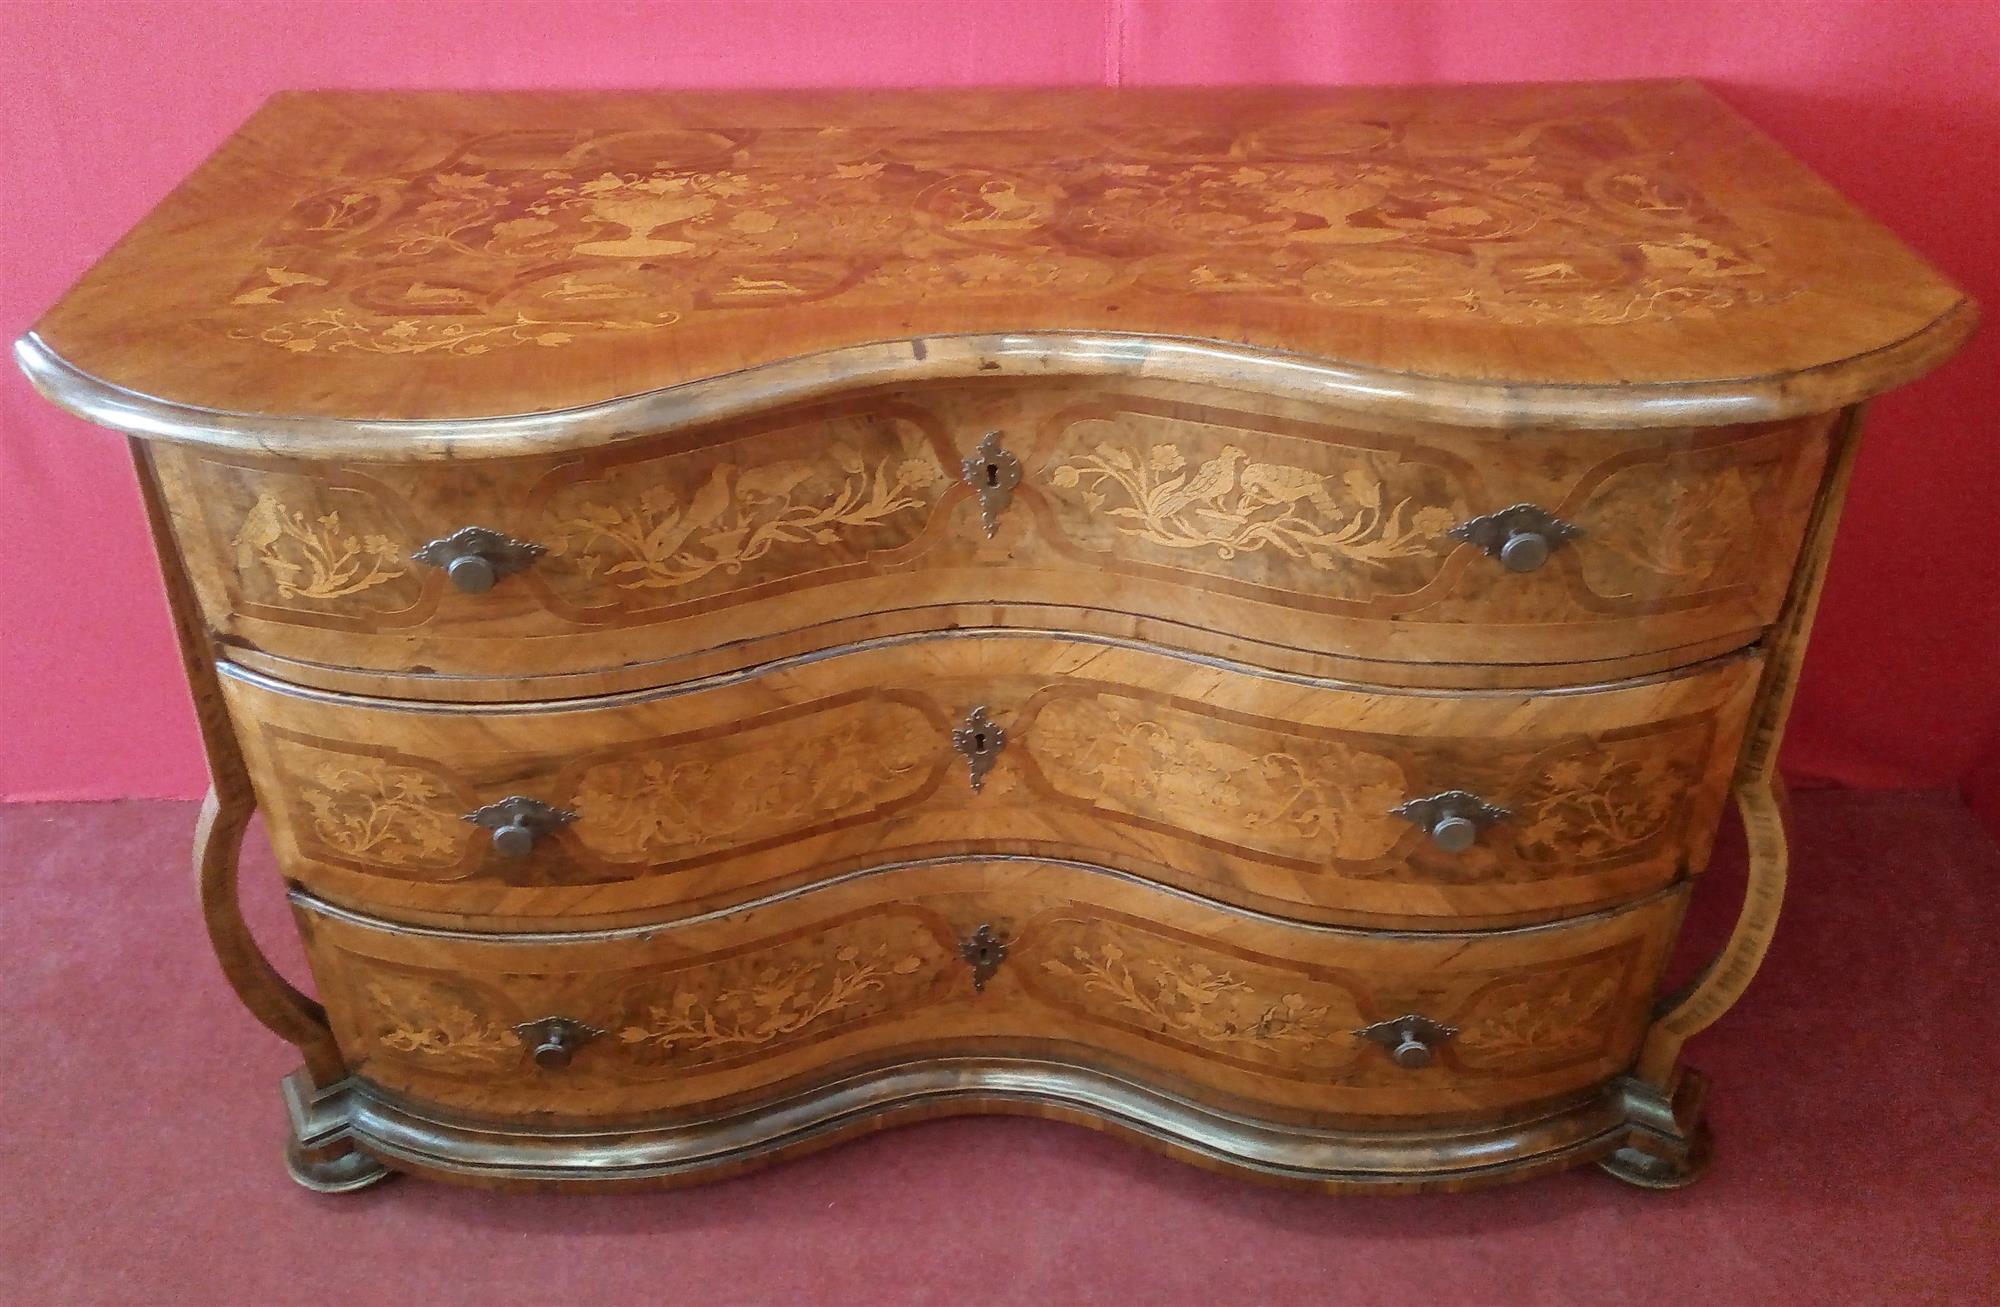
1230	617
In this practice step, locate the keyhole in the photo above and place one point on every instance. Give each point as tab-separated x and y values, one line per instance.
979	741
992	474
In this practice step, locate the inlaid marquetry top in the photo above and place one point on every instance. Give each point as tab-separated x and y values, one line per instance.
1611	254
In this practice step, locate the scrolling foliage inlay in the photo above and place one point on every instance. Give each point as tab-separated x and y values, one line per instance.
1307	798
1528	1018
1288	1017
1328	798
542	238
1682	527
313	557
674	526
414	1018
1233	504
1239	497
378	811
1270	1012
1193	999
1617	797
719	1010
651	802
678	800
785	993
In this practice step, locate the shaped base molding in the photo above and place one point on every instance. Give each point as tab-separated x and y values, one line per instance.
1670	1145
320	1152
346	1137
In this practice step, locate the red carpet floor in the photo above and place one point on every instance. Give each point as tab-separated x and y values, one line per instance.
1858	1157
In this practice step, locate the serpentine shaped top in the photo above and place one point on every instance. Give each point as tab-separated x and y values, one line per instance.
407	274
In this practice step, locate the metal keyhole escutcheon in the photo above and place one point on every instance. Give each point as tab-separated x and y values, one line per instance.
992	473
983	951
979	741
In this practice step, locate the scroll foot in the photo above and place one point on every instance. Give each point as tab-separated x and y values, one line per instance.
319	1152
1670	1144
1652	1171
336	1169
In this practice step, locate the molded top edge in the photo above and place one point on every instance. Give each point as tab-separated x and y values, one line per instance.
1355	391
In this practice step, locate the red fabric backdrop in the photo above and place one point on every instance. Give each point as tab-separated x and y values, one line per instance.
107	105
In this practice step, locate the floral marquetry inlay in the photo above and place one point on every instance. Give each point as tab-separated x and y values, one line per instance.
312	555
679	800
1245	499
1252	785
641	531
1274	1011
537	239
414	1019
382	812
1264	1011
789	991
740	1003
1608	799
1192	999
782	997
1684	533
1331	798
1533	1020
1233	503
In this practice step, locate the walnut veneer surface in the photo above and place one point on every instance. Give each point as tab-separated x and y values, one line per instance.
1230	617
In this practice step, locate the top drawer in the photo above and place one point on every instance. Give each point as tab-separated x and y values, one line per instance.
1207	514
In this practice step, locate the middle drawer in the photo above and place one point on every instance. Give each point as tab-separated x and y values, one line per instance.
1311	798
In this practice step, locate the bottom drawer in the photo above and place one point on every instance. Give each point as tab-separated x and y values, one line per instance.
1075	964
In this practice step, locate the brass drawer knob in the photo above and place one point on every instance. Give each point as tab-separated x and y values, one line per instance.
472	574
1454	819
474	557
1455	834
1411	1040
517	821
553	1041
1521	536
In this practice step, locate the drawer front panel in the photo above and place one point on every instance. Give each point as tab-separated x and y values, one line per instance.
1296	796
1206	510
1096	968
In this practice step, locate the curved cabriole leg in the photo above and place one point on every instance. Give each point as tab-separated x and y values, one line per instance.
323	1159
288	1014
326	1162
1669	1144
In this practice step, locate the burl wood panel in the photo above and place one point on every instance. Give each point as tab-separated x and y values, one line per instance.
1200	511
1230	1007
1264	790
408	255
